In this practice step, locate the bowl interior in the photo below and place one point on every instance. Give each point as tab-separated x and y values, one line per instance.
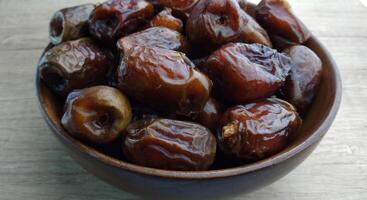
315	124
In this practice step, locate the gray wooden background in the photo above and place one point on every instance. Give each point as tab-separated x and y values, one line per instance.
33	164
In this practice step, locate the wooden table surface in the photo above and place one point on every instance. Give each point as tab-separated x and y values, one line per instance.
33	165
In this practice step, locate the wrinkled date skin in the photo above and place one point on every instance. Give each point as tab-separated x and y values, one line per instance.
302	83
98	114
180	5
257	130
70	23
171	145
216	22
164	80
116	18
277	17
160	37
211	114
166	19
74	65
245	72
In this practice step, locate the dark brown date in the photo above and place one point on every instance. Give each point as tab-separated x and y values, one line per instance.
116	18
216	22
164	80
171	145
280	43
257	130
166	19
277	17
74	65
98	114
245	72
155	37
252	32
180	5
302	83
211	114
70	23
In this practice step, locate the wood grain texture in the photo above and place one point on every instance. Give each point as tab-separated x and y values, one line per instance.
33	165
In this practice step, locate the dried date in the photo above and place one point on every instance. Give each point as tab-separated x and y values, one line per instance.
74	65
116	18
257	130
98	114
301	85
169	144
245	72
155	37
166	19
70	23
164	80
277	17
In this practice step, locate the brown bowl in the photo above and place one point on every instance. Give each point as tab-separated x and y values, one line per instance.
218	183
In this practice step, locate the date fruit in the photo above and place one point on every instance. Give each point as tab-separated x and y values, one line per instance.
74	65
252	32
164	80
245	72
166	19
302	83
216	22
161	37
211	114
70	23
277	17
116	18
98	114
257	130
169	144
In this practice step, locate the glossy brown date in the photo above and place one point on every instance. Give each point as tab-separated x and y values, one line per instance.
245	72
216	22
74	65
164	80
302	83
257	130
116	18
252	32
160	37
211	114
70	23
169	144
277	17
166	19
98	114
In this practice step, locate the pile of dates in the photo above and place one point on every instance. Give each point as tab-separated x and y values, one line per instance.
177	83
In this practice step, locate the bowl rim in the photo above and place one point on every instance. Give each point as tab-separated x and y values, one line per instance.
210	174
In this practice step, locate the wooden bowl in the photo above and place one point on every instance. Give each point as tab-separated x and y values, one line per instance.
213	184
